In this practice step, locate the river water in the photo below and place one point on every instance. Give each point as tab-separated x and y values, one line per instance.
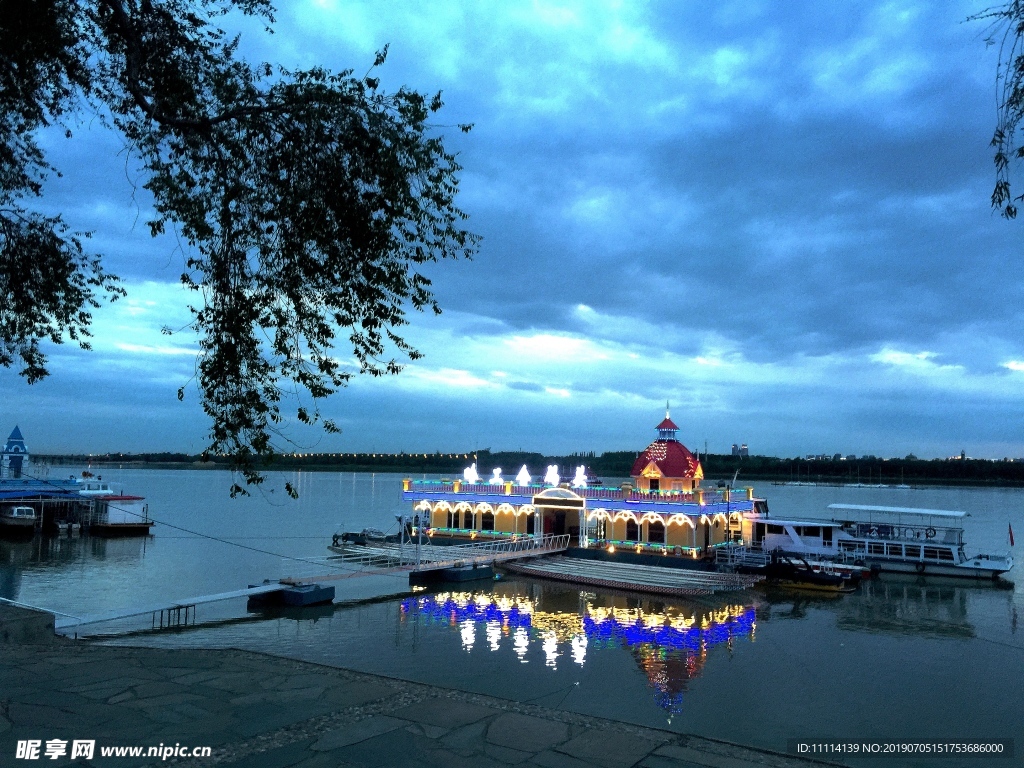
903	658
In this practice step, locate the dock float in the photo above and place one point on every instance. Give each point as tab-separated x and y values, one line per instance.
629	577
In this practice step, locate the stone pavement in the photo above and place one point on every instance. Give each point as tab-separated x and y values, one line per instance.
261	711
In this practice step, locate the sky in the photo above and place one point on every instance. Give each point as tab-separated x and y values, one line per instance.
773	216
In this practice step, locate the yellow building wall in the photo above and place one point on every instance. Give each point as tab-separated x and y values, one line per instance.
505	522
679	536
617	530
439	518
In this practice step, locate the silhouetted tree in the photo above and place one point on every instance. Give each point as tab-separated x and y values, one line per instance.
309	199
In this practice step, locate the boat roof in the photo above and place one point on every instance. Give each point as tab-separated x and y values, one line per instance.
805	523
901	510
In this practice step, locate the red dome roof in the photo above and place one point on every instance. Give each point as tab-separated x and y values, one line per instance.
667	424
671	457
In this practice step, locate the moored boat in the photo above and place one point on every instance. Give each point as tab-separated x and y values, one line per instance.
893	539
115	513
18	519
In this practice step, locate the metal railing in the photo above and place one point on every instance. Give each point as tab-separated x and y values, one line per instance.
731	555
371	558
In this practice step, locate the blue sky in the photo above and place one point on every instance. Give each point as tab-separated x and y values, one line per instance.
773	215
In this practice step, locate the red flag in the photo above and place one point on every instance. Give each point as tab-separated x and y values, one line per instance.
1011	534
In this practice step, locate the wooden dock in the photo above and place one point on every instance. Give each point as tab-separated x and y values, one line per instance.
630	577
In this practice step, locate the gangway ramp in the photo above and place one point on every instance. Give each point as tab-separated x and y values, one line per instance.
366	560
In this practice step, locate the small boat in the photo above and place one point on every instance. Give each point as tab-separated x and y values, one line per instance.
18	519
794	572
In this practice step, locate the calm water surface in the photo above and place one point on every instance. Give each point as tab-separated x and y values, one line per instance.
902	658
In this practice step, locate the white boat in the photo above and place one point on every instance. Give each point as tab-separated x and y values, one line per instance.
896	539
18	519
115	513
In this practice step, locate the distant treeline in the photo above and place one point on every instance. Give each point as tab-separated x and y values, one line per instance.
611	464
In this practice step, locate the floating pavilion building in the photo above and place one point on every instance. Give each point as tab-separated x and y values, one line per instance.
663	510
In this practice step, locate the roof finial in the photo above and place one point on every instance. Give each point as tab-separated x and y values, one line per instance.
666	409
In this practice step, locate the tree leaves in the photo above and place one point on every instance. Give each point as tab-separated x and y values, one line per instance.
1006	28
309	199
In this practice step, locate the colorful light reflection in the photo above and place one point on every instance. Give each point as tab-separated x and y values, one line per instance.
670	647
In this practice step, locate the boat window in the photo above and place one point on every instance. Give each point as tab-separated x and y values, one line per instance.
912	550
894	550
453	519
487	521
931	553
946	554
850	546
876	549
656	532
655	486
776	529
531	523
812	531
826	537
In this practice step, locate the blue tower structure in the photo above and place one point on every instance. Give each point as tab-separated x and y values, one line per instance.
14	455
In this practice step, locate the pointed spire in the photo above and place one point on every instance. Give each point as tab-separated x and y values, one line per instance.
666	409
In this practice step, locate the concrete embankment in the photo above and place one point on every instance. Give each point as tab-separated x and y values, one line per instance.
268	712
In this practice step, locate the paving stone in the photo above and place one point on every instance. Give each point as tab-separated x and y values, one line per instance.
507	755
286	682
466	737
121	697
163	701
610	749
356	694
361	730
430	731
279	757
400	748
148	689
196	677
531	734
444	712
280	697
323	760
122	683
550	759
658	761
698	757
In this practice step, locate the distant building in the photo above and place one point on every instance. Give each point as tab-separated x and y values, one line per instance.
666	464
14	456
735	450
740	450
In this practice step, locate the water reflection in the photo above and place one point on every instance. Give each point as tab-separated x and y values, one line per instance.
669	643
46	556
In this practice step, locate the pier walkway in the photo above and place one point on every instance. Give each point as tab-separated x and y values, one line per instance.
375	559
382	565
652	579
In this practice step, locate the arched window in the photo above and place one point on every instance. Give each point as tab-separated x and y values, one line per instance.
632	530
656	532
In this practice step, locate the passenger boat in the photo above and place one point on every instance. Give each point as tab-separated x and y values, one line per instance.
18	519
895	539
115	513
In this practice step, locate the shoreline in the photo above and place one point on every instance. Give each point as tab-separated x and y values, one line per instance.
257	709
710	481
